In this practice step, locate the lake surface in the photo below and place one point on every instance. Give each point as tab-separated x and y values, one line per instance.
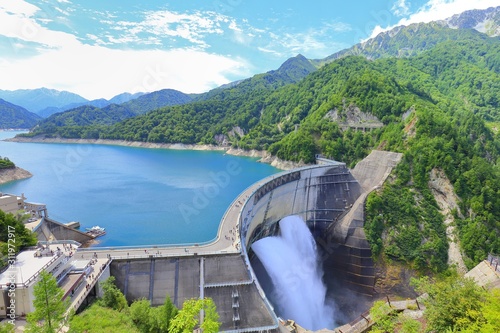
141	196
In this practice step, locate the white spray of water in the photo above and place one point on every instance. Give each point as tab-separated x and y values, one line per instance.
292	263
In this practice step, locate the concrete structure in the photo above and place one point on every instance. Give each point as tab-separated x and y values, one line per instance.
487	273
18	280
224	278
331	200
11	203
51	230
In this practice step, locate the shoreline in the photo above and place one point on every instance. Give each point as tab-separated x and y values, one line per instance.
263	156
17	173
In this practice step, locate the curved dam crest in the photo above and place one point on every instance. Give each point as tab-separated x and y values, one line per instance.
329	198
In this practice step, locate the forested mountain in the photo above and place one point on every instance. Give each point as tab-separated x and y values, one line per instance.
430	105
291	71
124	97
157	99
15	116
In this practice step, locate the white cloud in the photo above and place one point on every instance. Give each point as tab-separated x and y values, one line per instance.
95	71
311	43
400	8
438	10
337	27
191	27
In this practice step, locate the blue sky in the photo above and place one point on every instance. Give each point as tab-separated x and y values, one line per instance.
101	48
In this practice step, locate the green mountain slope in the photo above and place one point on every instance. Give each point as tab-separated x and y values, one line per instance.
291	71
15	116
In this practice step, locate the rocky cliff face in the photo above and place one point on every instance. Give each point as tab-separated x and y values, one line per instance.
8	175
486	21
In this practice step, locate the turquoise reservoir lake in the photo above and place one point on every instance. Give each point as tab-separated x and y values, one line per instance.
141	196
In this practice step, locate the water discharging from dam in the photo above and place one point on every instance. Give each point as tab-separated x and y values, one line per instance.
292	263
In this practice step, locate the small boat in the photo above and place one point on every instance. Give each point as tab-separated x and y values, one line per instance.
96	231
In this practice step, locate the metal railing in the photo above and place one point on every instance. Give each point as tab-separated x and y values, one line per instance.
494	261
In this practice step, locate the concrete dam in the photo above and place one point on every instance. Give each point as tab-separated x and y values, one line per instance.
328	197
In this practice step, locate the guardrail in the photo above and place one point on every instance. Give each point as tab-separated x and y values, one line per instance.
136	247
55	242
174	255
494	261
82	297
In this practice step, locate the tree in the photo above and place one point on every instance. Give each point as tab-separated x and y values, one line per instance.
490	321
383	317
112	296
99	319
140	313
153	319
188	317
13	229
161	317
455	303
49	305
7	328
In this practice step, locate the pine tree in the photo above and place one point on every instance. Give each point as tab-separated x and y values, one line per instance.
49	305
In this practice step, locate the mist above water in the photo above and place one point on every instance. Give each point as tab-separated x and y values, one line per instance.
292	263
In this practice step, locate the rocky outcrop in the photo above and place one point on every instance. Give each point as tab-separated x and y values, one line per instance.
8	175
266	157
443	192
352	117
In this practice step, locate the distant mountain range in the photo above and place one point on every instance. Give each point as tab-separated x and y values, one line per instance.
99	103
46	102
35	100
89	114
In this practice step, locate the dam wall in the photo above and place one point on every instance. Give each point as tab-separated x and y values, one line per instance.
49	230
321	195
330	198
318	194
224	278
